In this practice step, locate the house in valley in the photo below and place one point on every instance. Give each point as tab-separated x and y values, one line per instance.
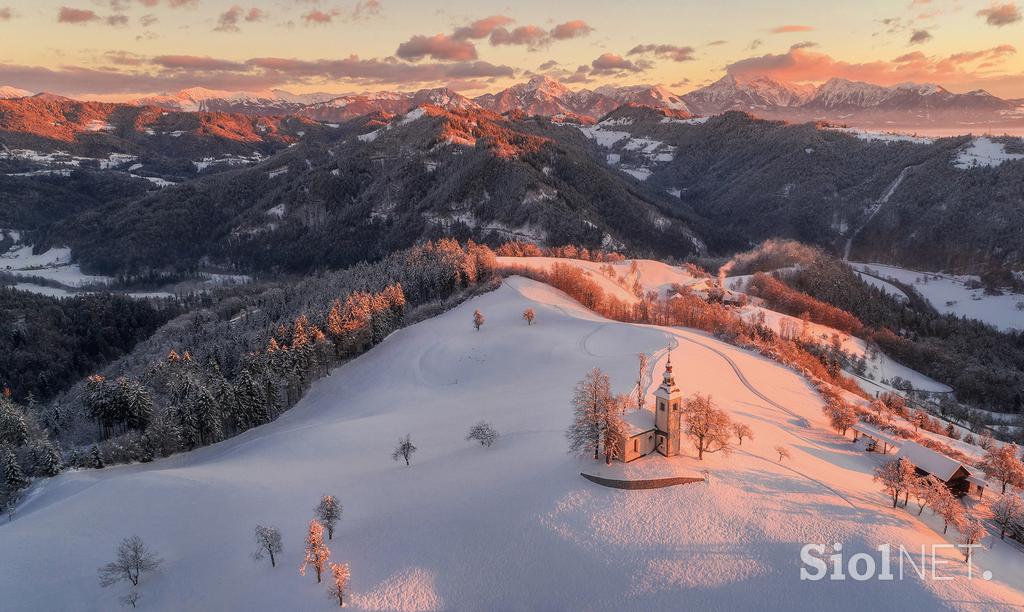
957	476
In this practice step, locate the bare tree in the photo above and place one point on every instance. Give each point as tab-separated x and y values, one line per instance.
742	430
614	431
131	598
133	560
783	452
897	477
317	552
404	450
529	315
842	416
591	399
268	542
971	532
328	511
1002	463
947	506
708	427
340	574
478	319
643	377
484	433
1007	512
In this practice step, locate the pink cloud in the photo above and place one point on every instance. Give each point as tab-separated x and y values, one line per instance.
786	29
530	35
6	14
610	63
803	65
672	52
481	28
196	62
67	14
1001	14
571	29
438	47
318	17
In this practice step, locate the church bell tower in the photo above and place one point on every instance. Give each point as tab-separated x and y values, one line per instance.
667	413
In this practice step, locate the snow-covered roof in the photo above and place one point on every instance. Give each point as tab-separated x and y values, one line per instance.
638	422
873	432
935	463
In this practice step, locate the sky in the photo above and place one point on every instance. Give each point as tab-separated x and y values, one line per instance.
118	49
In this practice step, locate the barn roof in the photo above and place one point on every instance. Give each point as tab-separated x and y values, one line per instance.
873	432
935	463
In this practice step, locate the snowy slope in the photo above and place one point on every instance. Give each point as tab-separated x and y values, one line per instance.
513	527
950	294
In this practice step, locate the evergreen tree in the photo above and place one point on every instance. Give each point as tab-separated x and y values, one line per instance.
14	478
95	458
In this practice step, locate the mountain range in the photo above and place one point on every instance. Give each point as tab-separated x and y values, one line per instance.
905	106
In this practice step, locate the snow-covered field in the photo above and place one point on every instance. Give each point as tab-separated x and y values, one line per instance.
984	152
53	264
950	294
513	527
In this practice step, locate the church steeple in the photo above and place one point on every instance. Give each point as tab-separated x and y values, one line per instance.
668	402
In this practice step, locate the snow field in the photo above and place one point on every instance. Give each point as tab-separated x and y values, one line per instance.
513	527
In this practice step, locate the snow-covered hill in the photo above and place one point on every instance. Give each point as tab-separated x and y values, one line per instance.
510	527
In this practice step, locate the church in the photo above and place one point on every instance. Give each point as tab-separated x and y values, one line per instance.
646	432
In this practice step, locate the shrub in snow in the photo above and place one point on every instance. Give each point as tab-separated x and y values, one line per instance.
404	450
268	542
783	452
478	320
484	433
340	575
742	430
133	560
328	511
529	315
317	552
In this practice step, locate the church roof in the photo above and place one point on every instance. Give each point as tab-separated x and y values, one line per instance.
638	421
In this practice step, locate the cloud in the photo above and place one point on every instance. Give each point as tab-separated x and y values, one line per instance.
803	65
6	14
124	58
229	19
148	20
366	9
438	47
754	44
481	28
318	17
716	43
141	75
116	20
610	63
66	14
571	29
786	29
1001	14
920	36
529	35
672	52
198	63
548	65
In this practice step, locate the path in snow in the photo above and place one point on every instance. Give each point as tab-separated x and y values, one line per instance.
877	206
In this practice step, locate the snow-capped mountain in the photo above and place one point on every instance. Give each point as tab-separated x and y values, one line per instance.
542	95
730	93
7	92
655	96
346	107
273	102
